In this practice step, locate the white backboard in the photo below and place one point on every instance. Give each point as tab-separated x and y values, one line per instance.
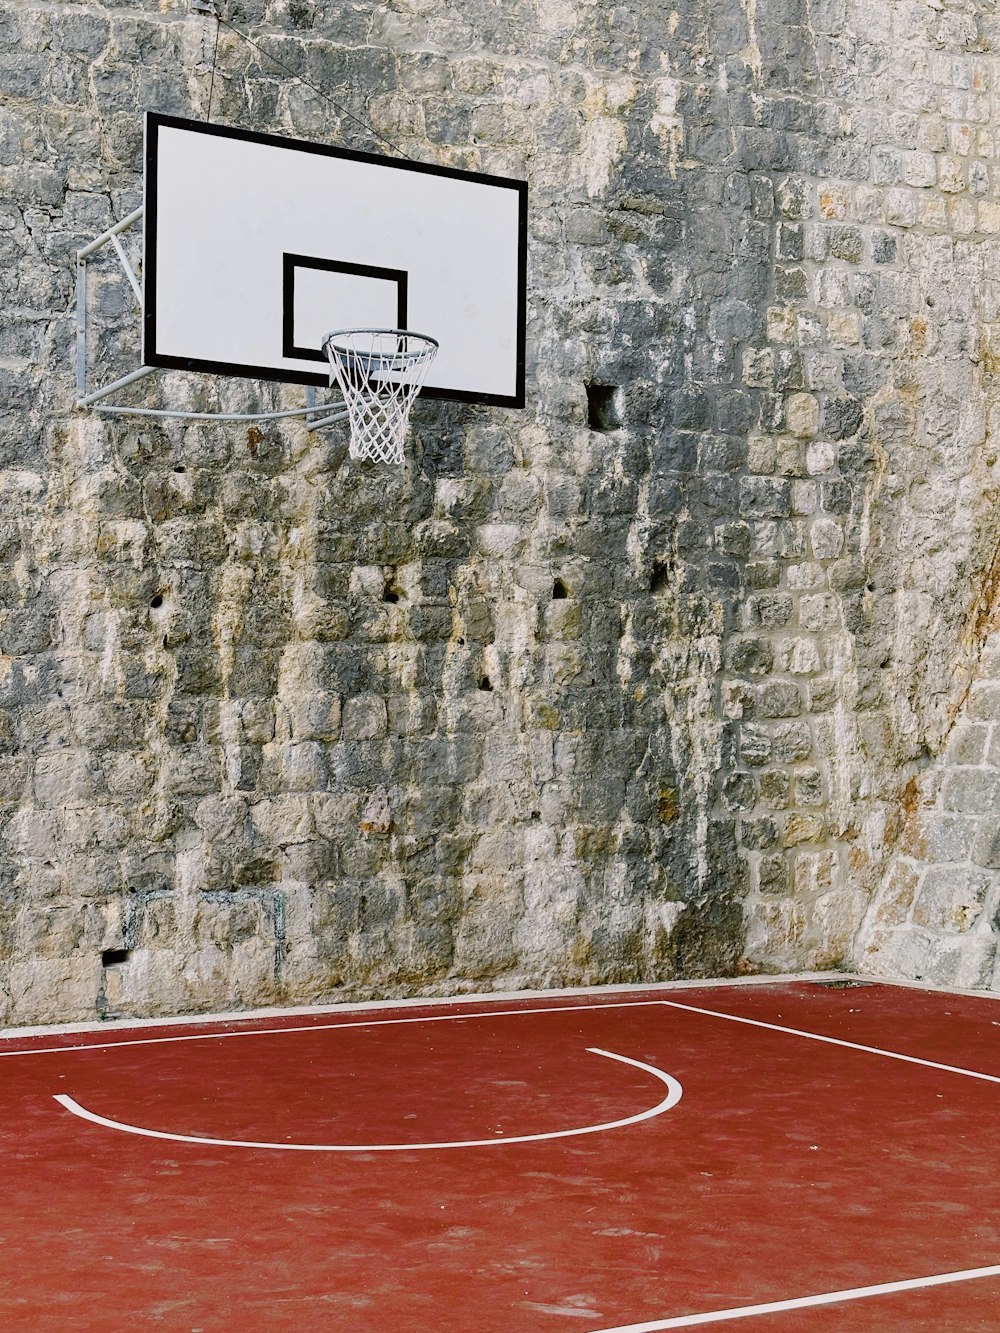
257	246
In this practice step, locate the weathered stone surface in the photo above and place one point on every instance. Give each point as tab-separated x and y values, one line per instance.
951	898
565	699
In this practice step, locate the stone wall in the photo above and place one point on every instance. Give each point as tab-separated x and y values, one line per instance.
935	916
891	573
628	685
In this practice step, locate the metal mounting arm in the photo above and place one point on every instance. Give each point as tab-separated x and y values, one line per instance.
313	414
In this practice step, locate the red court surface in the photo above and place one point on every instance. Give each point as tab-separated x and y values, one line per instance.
613	1162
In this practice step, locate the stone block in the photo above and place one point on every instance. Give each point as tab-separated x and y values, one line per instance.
65	779
757	834
769	611
951	897
364	717
971	791
778	698
314	717
967	744
54	990
791	741
191	770
803	828
821	694
951	174
755	745
948	837
989	662
819	611
898	893
491	910
847	244
809	787
983	842
827	538
802	415
984	702
814	873
775	789
776	929
920	168
764	497
299	766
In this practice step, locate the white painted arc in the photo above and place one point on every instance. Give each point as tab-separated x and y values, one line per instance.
806	1302
650	1326
674	1094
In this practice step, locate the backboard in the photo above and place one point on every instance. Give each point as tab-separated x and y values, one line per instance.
257	246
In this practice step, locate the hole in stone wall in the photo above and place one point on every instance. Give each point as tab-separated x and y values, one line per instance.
603	407
485	683
180	468
390	594
660	579
157	601
559	590
115	957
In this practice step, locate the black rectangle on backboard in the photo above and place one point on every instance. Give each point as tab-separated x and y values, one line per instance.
292	264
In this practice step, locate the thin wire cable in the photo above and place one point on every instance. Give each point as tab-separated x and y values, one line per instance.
365	125
215	59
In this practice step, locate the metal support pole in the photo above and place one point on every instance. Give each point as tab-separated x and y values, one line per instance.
106	236
216	416
89	399
81	328
128	269
313	414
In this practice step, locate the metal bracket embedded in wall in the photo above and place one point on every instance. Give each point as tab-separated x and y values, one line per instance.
205	7
313	414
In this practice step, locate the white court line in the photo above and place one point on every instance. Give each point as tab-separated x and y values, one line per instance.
804	1302
674	1094
441	1001
655	1326
832	1041
831	1297
328	1027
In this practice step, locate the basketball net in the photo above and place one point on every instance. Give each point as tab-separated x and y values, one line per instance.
379	372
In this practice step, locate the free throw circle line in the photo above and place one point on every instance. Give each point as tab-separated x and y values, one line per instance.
674	1094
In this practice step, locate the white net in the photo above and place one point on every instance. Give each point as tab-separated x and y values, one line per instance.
379	372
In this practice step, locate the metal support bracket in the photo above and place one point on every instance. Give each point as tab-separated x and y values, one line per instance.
313	414
210	7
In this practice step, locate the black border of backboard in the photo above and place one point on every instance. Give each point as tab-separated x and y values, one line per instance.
291	263
150	355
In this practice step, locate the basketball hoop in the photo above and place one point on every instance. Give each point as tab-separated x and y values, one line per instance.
379	372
